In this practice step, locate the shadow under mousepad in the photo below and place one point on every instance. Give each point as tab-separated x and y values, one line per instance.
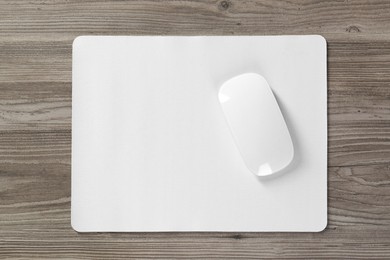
151	149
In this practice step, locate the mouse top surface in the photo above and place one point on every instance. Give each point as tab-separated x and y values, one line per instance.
257	124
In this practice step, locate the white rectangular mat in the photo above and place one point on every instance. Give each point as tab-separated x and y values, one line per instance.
151	150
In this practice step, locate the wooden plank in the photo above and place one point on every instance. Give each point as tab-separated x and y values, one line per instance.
35	105
358	195
350	143
53	18
35	217
359	110
206	246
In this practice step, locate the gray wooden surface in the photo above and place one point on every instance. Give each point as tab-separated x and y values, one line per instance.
35	124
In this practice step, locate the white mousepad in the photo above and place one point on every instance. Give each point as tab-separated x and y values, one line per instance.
151	149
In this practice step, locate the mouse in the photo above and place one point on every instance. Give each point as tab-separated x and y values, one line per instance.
256	123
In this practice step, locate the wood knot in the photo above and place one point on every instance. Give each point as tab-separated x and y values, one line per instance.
237	236
224	5
352	29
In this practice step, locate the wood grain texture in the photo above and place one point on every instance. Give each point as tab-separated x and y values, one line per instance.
35	124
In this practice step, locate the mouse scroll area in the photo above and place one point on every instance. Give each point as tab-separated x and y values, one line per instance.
257	124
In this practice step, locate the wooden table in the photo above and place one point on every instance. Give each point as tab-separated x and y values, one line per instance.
35	124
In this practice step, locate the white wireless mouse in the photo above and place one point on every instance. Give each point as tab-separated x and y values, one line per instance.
256	123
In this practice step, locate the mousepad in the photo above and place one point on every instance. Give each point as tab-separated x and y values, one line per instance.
151	150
